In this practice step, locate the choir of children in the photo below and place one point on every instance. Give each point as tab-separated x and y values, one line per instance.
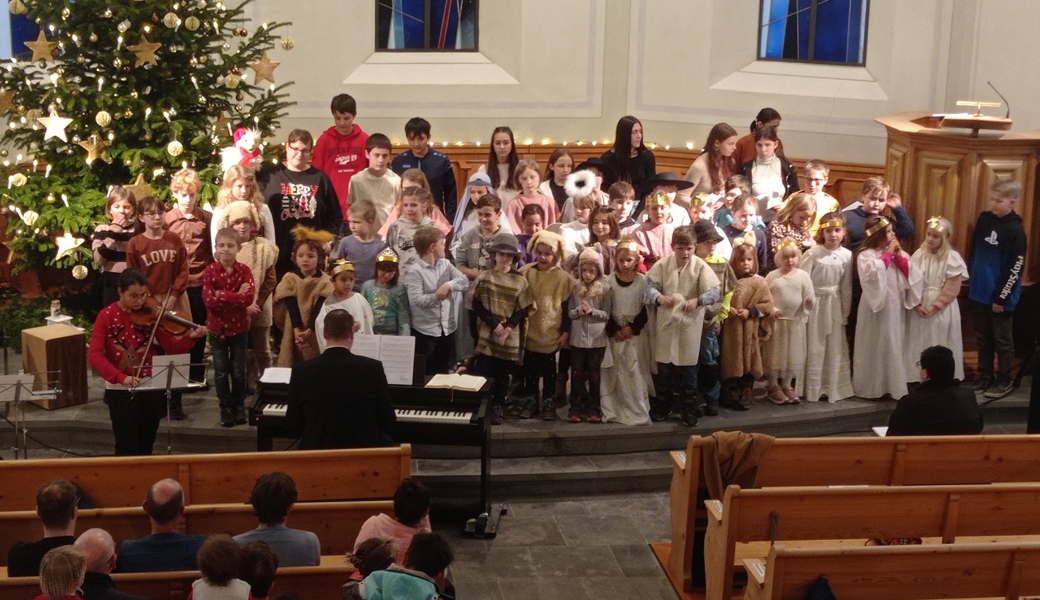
643	312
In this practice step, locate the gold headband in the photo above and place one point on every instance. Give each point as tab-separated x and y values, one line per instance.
659	199
387	255
627	243
883	223
702	199
785	243
827	224
340	265
937	224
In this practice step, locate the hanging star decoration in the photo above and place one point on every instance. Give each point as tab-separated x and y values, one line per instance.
55	125
264	68
95	148
145	52
11	254
6	102
41	48
139	188
67	244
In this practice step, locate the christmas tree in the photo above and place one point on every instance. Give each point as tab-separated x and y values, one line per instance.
124	93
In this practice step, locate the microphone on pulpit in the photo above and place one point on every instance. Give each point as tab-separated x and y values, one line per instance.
1008	105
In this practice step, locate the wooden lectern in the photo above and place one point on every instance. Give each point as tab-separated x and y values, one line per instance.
947	172
60	351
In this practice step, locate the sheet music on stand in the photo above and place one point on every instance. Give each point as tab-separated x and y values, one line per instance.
161	365
396	352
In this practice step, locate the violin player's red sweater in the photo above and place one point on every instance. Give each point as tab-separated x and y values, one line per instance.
116	344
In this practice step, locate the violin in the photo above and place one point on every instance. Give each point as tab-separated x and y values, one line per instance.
171	320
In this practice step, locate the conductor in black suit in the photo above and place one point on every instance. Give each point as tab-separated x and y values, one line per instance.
340	400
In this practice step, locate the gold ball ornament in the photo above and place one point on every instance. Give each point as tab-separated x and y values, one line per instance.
93	38
4	153
232	81
17	7
174	148
117	62
51	198
171	20
192	23
33	114
288	43
103	118
79	272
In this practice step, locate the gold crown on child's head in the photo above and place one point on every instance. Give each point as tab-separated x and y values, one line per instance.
387	256
829	224
627	243
340	265
880	225
939	224
659	199
702	199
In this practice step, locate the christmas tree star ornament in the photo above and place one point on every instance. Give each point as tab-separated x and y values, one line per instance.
95	149
6	102
67	244
145	52
139	187
55	125
264	68
11	254
41	48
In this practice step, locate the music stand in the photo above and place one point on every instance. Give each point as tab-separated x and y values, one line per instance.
11	390
169	374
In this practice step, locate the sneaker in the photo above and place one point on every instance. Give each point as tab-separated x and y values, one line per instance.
999	389
227	417
595	416
574	416
240	415
530	407
689	418
792	396
513	409
548	410
497	415
711	409
658	414
983	383
776	395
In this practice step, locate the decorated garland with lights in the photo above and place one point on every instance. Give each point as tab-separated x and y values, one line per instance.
124	93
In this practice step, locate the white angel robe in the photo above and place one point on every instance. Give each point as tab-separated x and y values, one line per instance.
944	327
625	383
827	368
878	366
785	349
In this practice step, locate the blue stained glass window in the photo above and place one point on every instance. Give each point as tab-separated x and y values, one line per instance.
827	31
15	30
416	25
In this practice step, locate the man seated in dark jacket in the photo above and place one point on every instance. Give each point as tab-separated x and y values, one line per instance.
99	549
166	549
56	506
941	405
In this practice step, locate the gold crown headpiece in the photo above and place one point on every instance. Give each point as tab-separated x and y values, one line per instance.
834	223
880	225
627	243
387	255
659	199
939	224
702	199
340	265
785	243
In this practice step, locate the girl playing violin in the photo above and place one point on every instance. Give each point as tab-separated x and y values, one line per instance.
120	353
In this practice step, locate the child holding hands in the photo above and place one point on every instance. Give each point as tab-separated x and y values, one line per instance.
625	381
748	326
829	265
589	308
228	290
297	295
792	292
501	299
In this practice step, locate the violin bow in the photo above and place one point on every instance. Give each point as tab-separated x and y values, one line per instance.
151	337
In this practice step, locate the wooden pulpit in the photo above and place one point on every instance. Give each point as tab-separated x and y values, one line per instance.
947	172
58	353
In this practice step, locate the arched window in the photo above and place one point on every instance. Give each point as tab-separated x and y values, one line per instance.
819	31
15	30
434	25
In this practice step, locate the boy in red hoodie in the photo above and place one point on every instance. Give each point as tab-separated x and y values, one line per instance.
340	151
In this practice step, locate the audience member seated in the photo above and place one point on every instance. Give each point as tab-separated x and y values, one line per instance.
165	549
259	564
99	549
371	555
220	560
940	405
422	576
56	506
272	498
61	574
412	509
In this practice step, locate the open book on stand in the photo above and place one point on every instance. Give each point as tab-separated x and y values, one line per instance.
457	381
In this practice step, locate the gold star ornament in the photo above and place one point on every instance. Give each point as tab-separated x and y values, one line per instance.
95	149
55	125
264	68
67	244
6	102
41	48
139	188
145	52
